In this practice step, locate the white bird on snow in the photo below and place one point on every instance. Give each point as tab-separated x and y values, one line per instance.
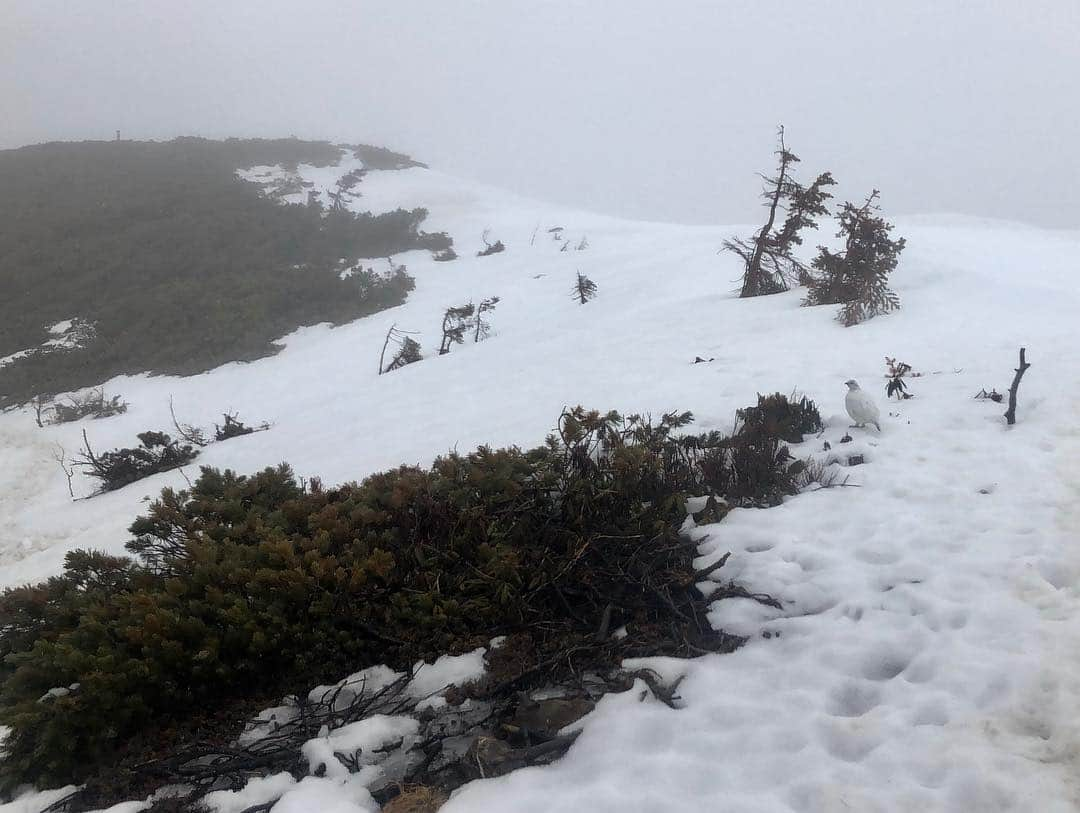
861	407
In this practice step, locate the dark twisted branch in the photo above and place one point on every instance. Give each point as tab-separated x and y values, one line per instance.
1010	414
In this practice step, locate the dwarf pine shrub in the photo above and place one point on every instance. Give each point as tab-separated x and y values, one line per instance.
245	584
94	404
116	468
781	417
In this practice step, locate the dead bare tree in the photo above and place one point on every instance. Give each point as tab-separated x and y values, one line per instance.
1010	414
40	405
89	459
68	467
386	342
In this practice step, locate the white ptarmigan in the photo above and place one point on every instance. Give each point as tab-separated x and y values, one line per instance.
861	407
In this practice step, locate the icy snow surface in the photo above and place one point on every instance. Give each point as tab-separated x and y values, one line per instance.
926	658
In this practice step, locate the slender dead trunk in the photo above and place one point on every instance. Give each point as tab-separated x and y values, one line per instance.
1010	414
386	342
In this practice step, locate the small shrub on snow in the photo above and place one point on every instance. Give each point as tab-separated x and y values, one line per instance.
94	404
896	384
438	242
490	248
156	452
408	353
781	417
584	288
232	427
993	395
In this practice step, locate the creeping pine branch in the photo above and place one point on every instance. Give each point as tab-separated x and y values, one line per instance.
1010	414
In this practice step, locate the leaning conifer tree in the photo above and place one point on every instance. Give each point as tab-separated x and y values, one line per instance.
857	278
482	327
455	322
769	264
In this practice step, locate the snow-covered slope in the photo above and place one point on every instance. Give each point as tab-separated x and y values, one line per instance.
926	658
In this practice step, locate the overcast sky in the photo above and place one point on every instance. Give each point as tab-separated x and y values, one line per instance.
658	110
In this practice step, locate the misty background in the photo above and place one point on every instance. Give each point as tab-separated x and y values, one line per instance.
654	110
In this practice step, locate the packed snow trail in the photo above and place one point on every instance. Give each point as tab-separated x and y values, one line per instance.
925	658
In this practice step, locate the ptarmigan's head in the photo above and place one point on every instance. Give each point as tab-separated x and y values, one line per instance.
852	384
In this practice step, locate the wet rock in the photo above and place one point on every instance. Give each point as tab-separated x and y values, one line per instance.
490	756
543	719
714	511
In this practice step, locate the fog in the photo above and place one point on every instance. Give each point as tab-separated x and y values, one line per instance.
656	110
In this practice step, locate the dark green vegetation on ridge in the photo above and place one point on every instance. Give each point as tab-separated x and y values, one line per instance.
178	265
